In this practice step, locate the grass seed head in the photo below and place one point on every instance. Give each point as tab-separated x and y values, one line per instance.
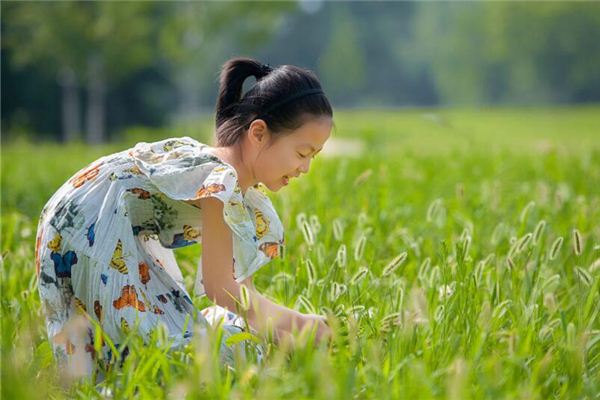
523	242
577	242
341	256
304	302
465	234
359	275
282	276
359	249
510	263
307	233
300	219
555	249
550	302
465	242
433	209
501	309
363	218
497	233
584	276
244	297
538	231
340	310
595	265
434	276
338	230
394	264
525	212
546	330
336	290
356	311
550	283
446	291
390	320
438	315
315	224
310	271
478	272
424	268
362	177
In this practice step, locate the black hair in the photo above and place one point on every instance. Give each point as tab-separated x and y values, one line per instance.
235	112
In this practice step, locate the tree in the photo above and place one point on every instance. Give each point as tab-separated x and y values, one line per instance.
198	36
99	43
342	64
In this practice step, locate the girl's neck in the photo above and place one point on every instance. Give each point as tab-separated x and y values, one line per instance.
233	156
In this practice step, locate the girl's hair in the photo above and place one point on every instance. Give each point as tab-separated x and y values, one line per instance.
235	112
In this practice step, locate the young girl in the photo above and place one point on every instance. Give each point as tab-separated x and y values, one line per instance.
103	248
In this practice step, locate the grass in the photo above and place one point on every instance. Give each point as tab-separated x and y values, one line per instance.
448	203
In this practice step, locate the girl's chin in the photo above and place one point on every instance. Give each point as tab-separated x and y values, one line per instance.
273	188
277	185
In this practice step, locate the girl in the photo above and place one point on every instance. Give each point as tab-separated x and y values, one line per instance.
103	248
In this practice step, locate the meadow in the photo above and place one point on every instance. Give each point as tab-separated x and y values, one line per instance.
457	256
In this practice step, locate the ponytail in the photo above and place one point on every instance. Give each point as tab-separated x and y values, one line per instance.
233	75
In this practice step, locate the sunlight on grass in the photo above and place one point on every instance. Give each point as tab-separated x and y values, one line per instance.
436	255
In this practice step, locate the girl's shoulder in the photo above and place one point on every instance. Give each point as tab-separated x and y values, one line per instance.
183	169
169	144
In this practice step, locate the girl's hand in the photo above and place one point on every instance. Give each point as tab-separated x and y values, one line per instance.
323	330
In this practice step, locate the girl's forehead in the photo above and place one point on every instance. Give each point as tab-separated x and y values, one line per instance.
312	133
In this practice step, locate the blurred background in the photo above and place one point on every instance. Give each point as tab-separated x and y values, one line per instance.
469	127
93	71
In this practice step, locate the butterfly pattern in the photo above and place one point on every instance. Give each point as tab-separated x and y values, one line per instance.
206	191
271	249
91	234
140	193
98	310
117	261
94	231
62	262
144	271
262	224
87	174
129	298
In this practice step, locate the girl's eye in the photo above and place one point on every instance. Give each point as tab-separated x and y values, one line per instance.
301	155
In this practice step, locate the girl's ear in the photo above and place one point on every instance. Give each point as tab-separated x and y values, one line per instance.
258	133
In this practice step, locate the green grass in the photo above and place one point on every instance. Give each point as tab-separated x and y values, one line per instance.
476	310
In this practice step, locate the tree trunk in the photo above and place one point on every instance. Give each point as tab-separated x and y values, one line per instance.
71	123
95	121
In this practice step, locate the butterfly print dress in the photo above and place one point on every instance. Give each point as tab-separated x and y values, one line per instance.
105	238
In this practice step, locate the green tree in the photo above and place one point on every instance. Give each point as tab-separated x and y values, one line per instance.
551	50
481	53
96	44
342	64
198	36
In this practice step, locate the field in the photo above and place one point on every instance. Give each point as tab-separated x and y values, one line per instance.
457	254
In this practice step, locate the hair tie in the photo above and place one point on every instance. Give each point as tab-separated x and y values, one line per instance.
265	69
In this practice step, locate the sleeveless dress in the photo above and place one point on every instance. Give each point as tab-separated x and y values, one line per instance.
105	238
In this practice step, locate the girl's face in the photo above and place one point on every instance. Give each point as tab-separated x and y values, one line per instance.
289	155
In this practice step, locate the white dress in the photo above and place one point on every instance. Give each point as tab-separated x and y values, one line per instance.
104	240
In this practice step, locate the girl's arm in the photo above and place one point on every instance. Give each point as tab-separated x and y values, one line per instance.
220	285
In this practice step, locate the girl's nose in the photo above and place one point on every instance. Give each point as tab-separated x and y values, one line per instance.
304	167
